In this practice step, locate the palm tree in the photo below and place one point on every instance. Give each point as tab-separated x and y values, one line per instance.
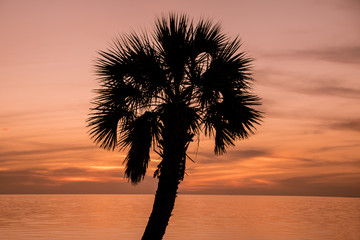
160	90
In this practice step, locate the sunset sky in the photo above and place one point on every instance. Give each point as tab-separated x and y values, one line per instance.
307	72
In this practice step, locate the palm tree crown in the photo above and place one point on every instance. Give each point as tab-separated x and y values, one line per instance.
174	83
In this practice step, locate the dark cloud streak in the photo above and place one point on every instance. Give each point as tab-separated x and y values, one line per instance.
40	180
351	125
12	154
342	54
232	155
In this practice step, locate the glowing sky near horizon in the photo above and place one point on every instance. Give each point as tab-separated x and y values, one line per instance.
307	69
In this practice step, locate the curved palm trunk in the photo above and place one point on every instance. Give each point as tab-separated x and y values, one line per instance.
175	142
162	208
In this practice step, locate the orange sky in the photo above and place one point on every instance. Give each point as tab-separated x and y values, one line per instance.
307	69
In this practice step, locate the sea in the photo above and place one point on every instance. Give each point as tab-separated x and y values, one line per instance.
198	217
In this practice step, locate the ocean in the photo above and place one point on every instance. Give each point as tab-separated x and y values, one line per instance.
199	217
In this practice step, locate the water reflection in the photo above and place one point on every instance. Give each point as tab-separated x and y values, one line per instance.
195	217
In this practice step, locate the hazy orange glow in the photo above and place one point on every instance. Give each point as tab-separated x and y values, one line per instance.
307	69
79	179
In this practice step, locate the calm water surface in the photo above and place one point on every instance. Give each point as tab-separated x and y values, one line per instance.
108	217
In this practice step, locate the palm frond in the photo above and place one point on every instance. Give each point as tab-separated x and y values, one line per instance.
172	38
231	119
207	37
228	75
139	136
103	125
132	62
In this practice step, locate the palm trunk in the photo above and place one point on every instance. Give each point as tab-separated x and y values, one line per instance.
162	208
175	142
169	179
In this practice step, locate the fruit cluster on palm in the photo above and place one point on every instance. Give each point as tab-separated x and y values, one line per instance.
159	90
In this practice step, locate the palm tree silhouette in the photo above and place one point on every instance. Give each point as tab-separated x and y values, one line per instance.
160	90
